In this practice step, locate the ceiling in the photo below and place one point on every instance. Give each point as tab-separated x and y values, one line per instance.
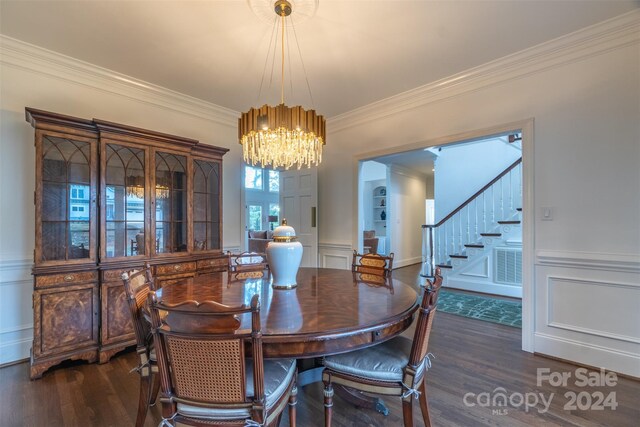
355	52
418	161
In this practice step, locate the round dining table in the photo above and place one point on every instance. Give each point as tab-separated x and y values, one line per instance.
329	311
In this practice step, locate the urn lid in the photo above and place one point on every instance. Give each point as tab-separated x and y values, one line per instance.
284	232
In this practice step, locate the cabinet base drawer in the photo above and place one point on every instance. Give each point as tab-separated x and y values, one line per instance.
177	268
44	281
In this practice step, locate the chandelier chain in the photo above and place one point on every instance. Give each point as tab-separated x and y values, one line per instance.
304	69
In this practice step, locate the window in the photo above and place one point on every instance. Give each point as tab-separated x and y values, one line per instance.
252	178
261	191
77	208
77	193
274	181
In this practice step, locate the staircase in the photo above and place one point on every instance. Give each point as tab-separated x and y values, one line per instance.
477	244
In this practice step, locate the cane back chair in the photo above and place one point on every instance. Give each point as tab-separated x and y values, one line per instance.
137	285
394	368
204	374
372	264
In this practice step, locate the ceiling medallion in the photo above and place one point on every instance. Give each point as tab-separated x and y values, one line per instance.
282	136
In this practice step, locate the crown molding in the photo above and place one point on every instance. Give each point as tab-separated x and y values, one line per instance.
596	39
25	56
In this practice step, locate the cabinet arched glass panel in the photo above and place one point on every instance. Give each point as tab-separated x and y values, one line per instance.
66	199
206	205
124	201
171	202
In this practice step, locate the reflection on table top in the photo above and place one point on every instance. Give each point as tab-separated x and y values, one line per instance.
327	304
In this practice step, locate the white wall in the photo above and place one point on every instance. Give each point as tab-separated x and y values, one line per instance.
462	170
583	93
36	78
582	90
406	215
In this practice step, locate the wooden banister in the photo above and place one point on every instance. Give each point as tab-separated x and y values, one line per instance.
476	194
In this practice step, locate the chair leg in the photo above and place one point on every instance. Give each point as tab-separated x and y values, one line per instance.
143	400
407	412
293	400
424	404
155	390
328	403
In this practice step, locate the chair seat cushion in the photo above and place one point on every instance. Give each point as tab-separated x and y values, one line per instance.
382	362
278	374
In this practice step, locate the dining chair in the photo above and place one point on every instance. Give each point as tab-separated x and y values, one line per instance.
137	285
394	368
247	265
204	374
372	263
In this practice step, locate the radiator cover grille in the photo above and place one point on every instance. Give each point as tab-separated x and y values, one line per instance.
508	266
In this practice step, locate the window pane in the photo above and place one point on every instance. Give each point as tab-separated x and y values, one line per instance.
255	217
253	178
200	236
79	240
53	240
274	181
274	211
54	201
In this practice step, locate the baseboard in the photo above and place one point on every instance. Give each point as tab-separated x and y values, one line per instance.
588	354
15	351
485	288
398	263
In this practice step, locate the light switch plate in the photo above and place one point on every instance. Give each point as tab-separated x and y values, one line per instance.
547	214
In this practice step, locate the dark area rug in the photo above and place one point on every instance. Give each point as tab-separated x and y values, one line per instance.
479	307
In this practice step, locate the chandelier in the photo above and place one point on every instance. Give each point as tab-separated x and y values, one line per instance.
135	188
282	136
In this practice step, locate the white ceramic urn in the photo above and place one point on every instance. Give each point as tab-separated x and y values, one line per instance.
284	255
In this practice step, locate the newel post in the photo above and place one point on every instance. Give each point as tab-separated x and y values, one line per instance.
428	256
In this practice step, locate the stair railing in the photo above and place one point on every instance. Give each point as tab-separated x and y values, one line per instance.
478	214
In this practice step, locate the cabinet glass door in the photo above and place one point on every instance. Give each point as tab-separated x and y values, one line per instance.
124	201
206	205
66	208
171	202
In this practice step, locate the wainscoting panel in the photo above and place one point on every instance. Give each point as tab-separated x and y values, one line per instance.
588	312
16	315
613	300
335	255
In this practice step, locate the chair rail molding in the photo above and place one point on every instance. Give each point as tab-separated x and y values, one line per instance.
590	260
611	34
26	56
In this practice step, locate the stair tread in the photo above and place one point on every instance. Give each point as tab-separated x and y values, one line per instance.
473	245
491	234
510	222
458	256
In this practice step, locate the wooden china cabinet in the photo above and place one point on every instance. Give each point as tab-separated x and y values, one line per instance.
108	199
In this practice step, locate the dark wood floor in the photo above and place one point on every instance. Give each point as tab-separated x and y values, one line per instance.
471	357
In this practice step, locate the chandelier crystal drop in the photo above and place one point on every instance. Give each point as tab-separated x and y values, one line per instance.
282	136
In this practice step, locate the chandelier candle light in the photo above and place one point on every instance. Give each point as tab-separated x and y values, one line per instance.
282	136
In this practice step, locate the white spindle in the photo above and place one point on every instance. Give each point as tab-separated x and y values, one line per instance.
468	223
502	198
475	221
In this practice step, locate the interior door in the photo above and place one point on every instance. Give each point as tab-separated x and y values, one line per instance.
298	204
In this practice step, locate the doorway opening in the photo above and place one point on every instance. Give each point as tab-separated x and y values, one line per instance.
471	193
262	204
